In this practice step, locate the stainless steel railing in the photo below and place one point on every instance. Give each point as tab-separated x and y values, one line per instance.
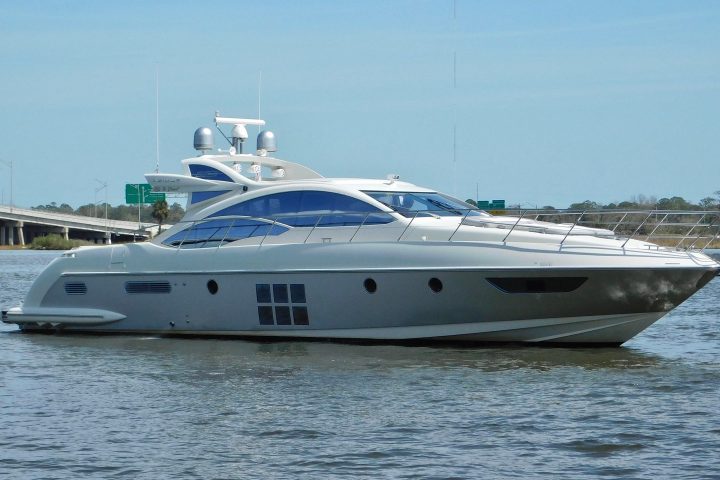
680	229
694	230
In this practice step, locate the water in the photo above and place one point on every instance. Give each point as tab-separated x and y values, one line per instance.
140	407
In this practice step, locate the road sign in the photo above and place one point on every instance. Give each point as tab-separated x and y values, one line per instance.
141	193
491	204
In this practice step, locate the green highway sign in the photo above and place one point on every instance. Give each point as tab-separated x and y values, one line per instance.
491	204
141	193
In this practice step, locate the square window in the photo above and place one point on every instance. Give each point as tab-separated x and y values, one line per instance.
297	293
262	290
283	315
265	315
280	293
300	316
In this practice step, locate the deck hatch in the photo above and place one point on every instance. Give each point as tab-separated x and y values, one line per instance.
537	284
75	288
147	287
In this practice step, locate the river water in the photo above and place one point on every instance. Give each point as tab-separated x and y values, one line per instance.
141	407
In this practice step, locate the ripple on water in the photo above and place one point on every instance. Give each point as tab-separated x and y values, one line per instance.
148	407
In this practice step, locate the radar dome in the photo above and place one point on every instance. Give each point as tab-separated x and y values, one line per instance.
203	139
266	141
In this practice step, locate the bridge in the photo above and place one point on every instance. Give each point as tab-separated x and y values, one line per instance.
19	226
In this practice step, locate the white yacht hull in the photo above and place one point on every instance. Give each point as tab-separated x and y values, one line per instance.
549	304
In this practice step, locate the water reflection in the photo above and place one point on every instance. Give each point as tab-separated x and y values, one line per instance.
213	354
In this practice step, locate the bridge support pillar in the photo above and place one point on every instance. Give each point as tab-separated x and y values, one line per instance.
2	234
11	235
66	233
21	236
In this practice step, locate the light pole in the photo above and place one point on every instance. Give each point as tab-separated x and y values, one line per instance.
9	164
103	186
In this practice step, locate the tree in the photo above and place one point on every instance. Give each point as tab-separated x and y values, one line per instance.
708	203
160	212
586	205
674	203
176	213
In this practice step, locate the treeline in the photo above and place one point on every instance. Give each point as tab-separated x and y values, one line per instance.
639	202
120	212
651	203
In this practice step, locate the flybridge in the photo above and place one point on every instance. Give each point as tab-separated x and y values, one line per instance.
230	169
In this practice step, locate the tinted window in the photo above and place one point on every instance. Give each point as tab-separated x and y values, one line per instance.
309	208
411	204
213	233
202	196
208	173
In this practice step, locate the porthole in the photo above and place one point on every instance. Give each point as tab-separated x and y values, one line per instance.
435	284
212	287
370	285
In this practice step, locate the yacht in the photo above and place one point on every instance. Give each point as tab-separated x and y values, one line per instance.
270	248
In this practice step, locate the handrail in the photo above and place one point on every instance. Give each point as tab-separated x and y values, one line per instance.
571	228
522	214
268	232
408	226
637	229
620	221
359	227
688	230
459	225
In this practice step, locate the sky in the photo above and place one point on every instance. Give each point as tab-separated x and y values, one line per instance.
550	102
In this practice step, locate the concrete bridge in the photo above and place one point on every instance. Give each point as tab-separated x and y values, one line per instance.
19	226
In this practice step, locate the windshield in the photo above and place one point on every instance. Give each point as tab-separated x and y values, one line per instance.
412	204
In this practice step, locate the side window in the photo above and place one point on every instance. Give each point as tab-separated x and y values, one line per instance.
309	208
214	233
208	173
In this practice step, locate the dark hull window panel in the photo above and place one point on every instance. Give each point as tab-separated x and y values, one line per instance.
282	304
75	288
262	291
280	294
265	314
309	208
282	315
147	287
537	284
300	316
297	293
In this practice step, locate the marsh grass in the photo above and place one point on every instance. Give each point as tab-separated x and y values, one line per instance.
55	242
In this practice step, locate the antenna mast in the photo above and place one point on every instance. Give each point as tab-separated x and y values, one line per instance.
259	96
157	119
454	105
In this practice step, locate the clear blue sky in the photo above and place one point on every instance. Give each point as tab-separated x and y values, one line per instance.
554	102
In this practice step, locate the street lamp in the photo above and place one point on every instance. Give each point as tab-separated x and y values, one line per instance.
9	164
